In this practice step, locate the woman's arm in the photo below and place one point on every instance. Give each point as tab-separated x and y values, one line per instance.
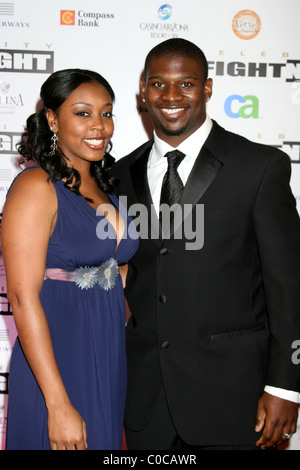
29	217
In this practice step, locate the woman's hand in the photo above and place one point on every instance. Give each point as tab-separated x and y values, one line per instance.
66	429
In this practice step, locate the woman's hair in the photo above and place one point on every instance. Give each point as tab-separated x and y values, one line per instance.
36	141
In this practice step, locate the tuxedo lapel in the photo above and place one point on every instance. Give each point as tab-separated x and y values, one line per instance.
138	173
203	173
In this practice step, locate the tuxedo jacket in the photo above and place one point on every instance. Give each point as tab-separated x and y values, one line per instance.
213	326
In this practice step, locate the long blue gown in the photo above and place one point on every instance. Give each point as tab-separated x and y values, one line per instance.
88	334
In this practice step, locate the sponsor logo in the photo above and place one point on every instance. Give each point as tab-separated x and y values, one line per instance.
246	24
14	24
4	383
9	101
8	143
7	9
67	17
165	12
292	149
5	308
89	19
288	70
164	29
26	61
4	335
244	107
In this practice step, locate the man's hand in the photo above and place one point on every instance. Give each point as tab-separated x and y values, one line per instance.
276	416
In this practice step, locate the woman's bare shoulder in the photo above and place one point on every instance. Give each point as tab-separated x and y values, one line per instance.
35	185
32	180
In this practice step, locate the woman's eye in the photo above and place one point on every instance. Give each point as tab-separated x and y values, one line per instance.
107	114
82	113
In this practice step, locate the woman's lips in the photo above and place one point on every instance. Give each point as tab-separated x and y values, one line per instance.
95	144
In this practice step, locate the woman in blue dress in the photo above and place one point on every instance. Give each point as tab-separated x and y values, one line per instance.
65	276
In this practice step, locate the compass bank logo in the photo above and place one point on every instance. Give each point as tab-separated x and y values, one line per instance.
88	19
67	17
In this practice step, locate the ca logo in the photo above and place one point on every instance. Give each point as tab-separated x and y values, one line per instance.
248	109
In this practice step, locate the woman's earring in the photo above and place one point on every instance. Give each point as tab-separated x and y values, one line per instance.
53	147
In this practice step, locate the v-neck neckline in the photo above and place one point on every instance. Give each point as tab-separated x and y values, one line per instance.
86	203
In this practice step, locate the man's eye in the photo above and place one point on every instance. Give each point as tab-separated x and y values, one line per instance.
158	84
186	84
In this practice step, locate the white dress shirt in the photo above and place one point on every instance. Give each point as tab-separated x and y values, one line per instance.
157	166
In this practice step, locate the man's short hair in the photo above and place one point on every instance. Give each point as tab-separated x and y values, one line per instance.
178	47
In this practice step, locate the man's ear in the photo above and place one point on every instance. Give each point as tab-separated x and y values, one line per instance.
208	88
143	88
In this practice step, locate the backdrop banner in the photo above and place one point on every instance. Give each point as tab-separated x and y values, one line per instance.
254	61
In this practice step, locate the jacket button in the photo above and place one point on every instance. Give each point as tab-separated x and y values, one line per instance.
164	251
162	299
165	345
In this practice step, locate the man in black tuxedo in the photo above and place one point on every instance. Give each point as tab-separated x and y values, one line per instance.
214	319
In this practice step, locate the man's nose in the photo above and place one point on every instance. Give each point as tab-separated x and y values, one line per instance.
172	93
